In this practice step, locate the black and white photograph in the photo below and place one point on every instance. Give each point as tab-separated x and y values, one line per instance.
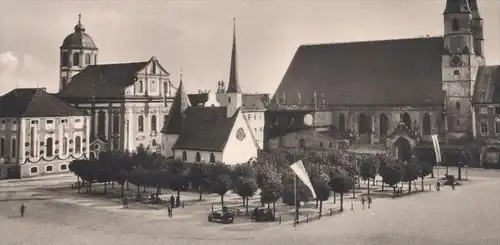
213	122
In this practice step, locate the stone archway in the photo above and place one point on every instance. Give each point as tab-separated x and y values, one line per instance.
402	149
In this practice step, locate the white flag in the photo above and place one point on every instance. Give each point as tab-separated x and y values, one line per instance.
437	149
300	171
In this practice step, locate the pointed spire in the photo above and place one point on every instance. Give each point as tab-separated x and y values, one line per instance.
177	112
233	86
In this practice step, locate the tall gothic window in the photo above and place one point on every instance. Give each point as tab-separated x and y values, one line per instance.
212	158
363	124
198	157
101	123
50	147
141	87
384	125
78	145
341	122
2	147
406	120
64	59
153	123
116	123
455	24
426	124
141	124
33	142
13	148
184	156
76	59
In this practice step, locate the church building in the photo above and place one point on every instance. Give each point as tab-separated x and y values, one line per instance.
127	102
391	95
202	129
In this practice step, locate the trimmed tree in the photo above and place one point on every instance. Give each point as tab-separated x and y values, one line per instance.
198	177
412	171
290	198
322	193
219	179
368	171
245	187
426	169
341	184
271	193
392	175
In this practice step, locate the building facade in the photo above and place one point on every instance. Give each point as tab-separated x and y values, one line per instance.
389	103
40	135
127	102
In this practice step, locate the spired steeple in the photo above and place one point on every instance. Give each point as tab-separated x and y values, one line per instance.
177	112
233	86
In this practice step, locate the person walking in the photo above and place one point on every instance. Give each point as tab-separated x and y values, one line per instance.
438	186
363	202
22	209
369	201
169	211
125	202
172	201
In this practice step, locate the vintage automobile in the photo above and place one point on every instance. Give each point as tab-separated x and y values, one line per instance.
224	216
261	214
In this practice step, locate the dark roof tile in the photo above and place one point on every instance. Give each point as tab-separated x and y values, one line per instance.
35	102
386	72
205	129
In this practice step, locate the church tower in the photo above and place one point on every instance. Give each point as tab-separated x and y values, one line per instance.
460	63
234	94
77	51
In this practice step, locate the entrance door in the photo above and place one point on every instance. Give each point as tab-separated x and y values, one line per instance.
402	149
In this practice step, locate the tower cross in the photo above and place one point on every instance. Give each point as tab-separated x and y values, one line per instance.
79	18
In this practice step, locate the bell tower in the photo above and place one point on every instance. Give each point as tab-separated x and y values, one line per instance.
77	52
459	65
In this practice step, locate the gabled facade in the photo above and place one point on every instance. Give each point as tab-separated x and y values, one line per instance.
40	134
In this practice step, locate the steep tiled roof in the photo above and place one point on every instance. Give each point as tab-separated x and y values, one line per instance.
205	128
457	6
255	102
35	102
387	72
103	81
484	86
495	83
176	115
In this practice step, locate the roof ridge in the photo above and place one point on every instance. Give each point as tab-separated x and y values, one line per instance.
37	90
370	41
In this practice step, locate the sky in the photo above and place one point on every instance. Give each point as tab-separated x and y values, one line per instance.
195	36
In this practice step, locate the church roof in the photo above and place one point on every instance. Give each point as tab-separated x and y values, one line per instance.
205	129
254	102
493	76
35	102
485	84
386	72
103	81
176	115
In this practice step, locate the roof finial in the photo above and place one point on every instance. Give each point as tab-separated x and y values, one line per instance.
80	18
181	74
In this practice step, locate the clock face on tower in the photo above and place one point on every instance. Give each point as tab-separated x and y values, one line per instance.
240	134
456	60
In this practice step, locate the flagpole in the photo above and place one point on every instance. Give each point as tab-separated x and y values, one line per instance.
295	197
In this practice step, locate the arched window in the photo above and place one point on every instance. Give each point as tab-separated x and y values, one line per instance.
87	59
65	145
141	124
426	124
64	59
76	59
212	158
184	156
363	124
33	142
341	122
457	105
2	147
302	144
406	120
13	148
78	145
141	87
198	157
101	123
153	123
384	125
455	24
50	147
116	122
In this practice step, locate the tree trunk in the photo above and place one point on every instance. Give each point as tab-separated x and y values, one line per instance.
422	183
138	191
432	172
320	208
334	197
112	185
144	189
317	201
274	209
341	201
122	189
179	195
158	189
459	173
105	187
222	200
78	183
354	191
368	187
383	185
201	192
128	188
393	192
244	201
247	206
373	181
268	205
409	187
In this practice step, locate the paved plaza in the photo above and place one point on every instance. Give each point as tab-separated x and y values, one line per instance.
58	215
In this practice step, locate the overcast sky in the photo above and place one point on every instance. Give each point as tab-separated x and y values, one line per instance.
196	35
